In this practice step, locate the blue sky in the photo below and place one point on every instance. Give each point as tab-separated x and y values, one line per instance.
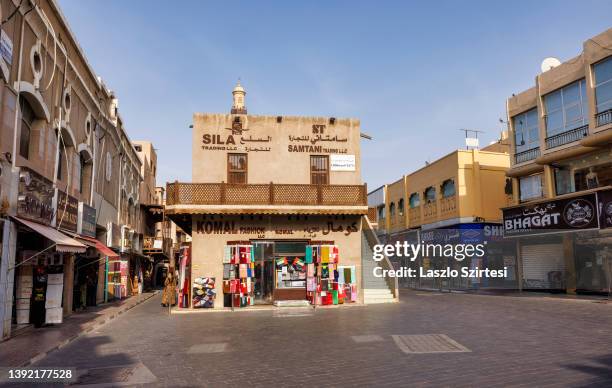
413	72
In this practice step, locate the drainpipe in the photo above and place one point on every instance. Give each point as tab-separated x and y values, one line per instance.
18	89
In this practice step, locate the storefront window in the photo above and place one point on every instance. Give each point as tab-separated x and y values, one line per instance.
530	187
584	173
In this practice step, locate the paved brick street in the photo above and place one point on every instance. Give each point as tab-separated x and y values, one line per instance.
493	341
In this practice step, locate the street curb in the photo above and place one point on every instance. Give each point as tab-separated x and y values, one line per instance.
96	325
181	311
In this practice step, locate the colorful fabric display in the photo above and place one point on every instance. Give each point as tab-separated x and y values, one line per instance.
243	255
316	253
236	300
311	284
242	271
226	271
227	255
335	286
334	254
249	285
310	270
308	258
325	254
324	272
249	273
334	296
232	274
204	292
226	286
252	254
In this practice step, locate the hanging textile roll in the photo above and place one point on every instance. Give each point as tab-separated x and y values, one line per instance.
242	271
227	255
317	253
325	254
310	270
308	258
334	254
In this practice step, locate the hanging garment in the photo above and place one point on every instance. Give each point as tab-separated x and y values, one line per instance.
244	257
325	254
308	258
226	271
334	255
227	254
242	271
311	284
310	270
252	250
317	253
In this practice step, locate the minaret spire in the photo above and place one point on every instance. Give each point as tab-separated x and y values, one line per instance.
238	94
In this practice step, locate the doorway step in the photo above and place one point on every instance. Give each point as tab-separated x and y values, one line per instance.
292	303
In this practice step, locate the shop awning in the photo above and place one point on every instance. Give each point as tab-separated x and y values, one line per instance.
62	242
103	249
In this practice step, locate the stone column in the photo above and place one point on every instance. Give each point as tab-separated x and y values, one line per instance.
68	283
7	276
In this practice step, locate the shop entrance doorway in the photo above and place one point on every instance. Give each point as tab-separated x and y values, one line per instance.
279	272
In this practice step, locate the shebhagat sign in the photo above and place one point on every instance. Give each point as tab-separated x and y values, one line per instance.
342	162
568	214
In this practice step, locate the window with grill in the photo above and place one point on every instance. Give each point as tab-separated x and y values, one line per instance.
319	169
27	119
237	168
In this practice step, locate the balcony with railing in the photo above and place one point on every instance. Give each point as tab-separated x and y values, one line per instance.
525	156
157	245
567	137
448	207
603	118
269	197
430	212
414	216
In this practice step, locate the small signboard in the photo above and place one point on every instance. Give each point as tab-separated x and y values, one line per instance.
342	162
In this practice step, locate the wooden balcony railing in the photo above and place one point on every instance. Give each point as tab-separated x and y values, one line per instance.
373	214
265	194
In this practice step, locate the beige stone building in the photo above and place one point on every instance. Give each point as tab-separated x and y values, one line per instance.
69	176
276	185
561	132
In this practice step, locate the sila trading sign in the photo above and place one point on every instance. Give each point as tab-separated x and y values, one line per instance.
577	213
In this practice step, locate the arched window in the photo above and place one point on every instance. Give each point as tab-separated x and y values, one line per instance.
381	212
414	200
448	188
400	206
27	121
392	209
430	194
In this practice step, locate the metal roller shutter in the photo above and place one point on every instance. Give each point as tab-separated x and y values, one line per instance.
539	260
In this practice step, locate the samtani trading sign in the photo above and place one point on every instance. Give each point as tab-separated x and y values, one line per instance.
560	215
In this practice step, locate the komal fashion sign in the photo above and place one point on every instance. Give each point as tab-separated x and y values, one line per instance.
567	214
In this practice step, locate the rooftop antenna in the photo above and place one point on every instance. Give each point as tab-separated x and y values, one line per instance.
469	140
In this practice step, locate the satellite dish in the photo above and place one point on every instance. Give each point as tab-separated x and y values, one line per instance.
549	63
